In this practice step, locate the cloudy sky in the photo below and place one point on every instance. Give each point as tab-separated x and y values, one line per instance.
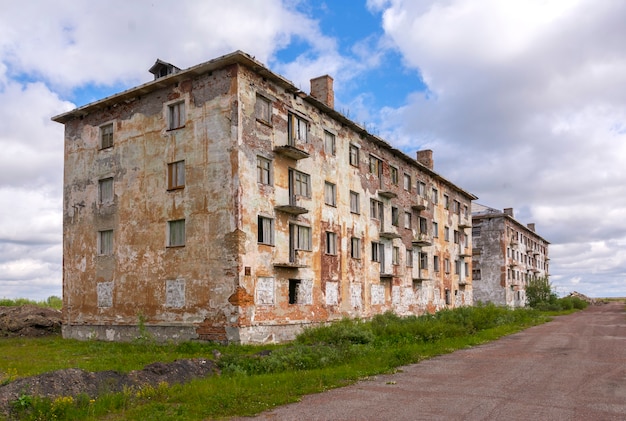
523	103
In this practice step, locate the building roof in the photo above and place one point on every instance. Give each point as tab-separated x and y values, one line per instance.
244	59
482	212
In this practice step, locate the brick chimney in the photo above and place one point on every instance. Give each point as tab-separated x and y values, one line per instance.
322	90
531	226
509	212
425	158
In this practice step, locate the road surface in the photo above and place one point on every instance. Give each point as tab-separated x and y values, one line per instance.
573	368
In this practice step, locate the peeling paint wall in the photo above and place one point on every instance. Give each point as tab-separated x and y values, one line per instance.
260	261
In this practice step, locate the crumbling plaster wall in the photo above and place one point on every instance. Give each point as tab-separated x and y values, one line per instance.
163	286
491	260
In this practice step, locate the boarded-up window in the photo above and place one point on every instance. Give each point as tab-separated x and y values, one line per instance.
329	143
263	110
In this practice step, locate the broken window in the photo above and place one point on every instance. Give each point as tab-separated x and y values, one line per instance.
407	182
395	216
264	170
377	252
423	260
355	206
435	229
330	194
476	274
446	265
457	267
457	237
176	175
354	156
423	225
265	230
105	242
376	166
421	188
331	243
435	197
436	263
376	209
456	207
407	220
394	175
355	249
329	143
294	287
395	255
176	115
263	109
409	257
446	201
105	190
106	136
176	233
446	233
298	128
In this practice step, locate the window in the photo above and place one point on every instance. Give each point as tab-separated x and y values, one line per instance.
354	156
376	209
435	229
264	170
301	237
394	216
476	231
407	182
176	233
355	205
355	248
263	109
457	237
446	233
176	116
448	297
456	207
457	267
331	243
476	274
105	242
394	175
446	201
421	189
298	128
105	190
395	255
330	194
106	136
435	197
436	263
423	225
329	143
407	220
294	288
176	175
265	230
446	265
301	184
376	166
409	257
423	260
377	251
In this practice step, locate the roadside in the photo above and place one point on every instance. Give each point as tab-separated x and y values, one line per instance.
573	368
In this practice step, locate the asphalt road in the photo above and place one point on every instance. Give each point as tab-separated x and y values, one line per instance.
573	368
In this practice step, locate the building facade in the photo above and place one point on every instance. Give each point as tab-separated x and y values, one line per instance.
223	203
506	255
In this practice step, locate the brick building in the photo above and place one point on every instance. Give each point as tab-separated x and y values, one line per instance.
506	255
221	202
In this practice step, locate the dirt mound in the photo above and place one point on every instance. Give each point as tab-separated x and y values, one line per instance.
29	321
74	382
583	297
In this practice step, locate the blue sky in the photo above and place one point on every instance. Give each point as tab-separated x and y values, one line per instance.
519	100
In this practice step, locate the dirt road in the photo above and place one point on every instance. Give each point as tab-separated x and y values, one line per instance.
573	368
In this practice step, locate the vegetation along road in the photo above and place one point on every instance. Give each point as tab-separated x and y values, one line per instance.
573	368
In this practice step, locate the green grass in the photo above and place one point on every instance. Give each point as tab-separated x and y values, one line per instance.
52	302
321	358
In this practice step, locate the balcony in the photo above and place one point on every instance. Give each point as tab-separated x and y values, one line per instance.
464	223
420	204
464	251
464	281
386	276
292	152
422	239
387	194
293	208
297	260
390	235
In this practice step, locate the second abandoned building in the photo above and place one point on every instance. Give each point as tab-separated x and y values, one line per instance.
222	203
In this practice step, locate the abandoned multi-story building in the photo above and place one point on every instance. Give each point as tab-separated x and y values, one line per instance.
506	255
221	202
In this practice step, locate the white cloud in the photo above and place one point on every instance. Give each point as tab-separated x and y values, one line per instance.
524	109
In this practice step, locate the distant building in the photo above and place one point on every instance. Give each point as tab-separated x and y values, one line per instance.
221	202
505	255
